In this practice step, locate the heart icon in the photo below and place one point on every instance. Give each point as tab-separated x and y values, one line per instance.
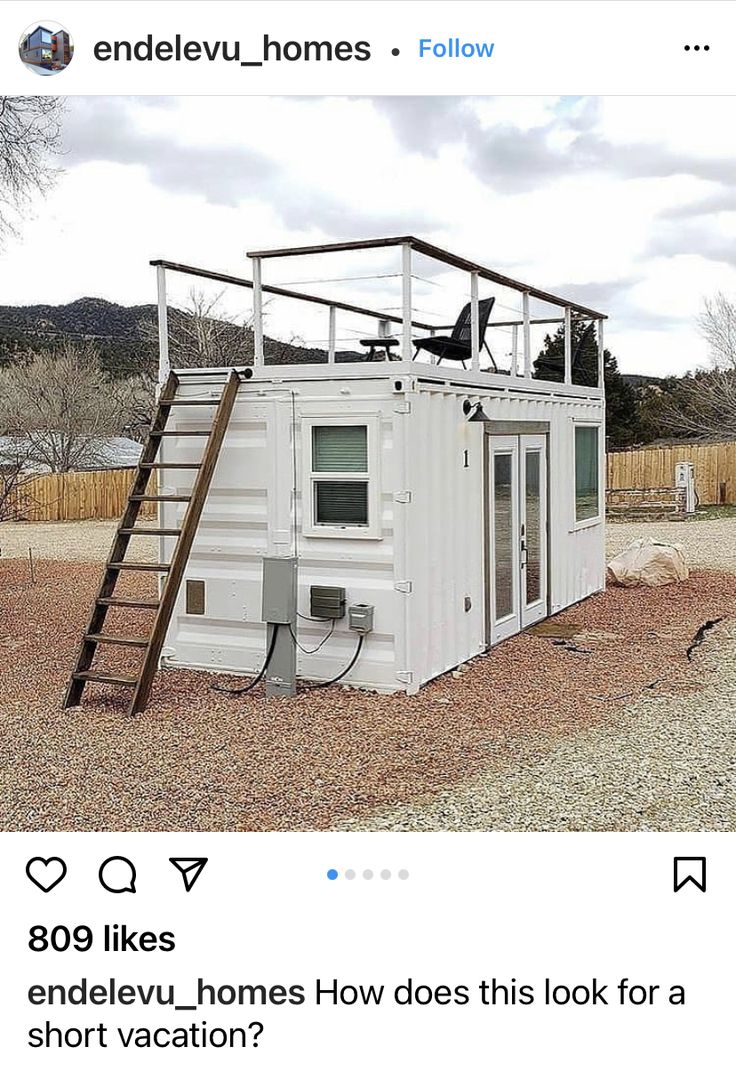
46	873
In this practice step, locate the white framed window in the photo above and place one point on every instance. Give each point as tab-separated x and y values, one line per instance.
587	442
341	490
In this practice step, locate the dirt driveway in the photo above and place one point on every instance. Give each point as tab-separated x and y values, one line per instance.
624	733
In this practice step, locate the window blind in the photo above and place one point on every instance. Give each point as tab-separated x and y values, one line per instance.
340	448
341	502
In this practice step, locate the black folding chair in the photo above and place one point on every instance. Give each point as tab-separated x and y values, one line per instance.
456	346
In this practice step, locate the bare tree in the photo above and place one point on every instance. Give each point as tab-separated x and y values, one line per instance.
717	324
30	134
59	407
202	334
16	500
702	405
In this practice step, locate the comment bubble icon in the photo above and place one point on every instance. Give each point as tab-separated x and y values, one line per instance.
117	875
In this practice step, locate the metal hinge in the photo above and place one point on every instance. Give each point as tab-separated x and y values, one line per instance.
402	407
402	496
403	586
405	676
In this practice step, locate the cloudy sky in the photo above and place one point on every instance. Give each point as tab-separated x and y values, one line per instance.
624	204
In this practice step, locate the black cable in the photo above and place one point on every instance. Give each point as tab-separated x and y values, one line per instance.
312	650
259	675
348	667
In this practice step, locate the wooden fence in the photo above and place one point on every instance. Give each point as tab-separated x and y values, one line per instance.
715	469
77	496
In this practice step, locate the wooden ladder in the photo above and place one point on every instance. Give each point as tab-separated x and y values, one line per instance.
173	570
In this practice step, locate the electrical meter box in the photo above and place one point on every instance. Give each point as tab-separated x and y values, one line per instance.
685	477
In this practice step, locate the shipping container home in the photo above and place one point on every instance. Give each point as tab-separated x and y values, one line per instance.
429	487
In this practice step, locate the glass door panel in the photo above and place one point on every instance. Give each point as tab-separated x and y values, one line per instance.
533	505
504	518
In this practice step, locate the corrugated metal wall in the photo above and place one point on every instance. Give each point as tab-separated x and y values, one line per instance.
446	530
431	539
248	516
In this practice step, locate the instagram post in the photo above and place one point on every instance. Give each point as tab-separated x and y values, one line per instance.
367	534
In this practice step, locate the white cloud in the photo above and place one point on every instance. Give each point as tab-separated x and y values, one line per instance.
576	195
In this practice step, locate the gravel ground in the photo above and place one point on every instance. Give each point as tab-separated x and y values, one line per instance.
533	736
82	541
664	762
708	544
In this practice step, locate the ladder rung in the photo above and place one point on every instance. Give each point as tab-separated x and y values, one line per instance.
170	465
160	498
150	531
120	641
134	604
158	434
193	401
105	678
150	567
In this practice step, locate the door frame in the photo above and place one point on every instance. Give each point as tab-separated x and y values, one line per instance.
510	428
529	614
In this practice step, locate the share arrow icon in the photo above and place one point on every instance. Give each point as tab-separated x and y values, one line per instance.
190	869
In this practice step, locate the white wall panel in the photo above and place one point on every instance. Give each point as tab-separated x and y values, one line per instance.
435	541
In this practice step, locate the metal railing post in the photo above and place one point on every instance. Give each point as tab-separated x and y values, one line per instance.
405	301
515	350
257	314
474	323
527	335
568	344
331	333
164	365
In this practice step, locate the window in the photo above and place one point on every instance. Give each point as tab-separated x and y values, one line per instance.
587	490
339	460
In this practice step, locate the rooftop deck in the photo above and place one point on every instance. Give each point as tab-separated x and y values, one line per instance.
502	338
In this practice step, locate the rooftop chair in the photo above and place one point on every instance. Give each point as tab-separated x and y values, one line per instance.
456	346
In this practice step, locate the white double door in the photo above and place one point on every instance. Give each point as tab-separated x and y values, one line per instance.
517	535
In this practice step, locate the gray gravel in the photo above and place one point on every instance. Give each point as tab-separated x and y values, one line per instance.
71	541
664	764
661	763
708	544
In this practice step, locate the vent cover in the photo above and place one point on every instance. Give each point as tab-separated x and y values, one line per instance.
195	596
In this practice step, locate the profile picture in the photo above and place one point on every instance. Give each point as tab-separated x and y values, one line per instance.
46	49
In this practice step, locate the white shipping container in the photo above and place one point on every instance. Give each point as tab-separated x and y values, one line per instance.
473	529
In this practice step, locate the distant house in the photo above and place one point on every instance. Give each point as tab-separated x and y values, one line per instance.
116	452
51	49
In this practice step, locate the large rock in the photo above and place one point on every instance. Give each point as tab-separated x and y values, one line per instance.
649	563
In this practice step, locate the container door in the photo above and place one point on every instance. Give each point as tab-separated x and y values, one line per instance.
533	528
504	544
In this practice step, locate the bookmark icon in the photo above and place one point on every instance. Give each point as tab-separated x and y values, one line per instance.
189	868
689	870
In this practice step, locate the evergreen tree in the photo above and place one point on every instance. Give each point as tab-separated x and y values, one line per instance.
622	400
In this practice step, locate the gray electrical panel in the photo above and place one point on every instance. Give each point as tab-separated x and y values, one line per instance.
326	602
279	611
279	590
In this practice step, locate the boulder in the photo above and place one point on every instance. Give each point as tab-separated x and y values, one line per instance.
649	563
